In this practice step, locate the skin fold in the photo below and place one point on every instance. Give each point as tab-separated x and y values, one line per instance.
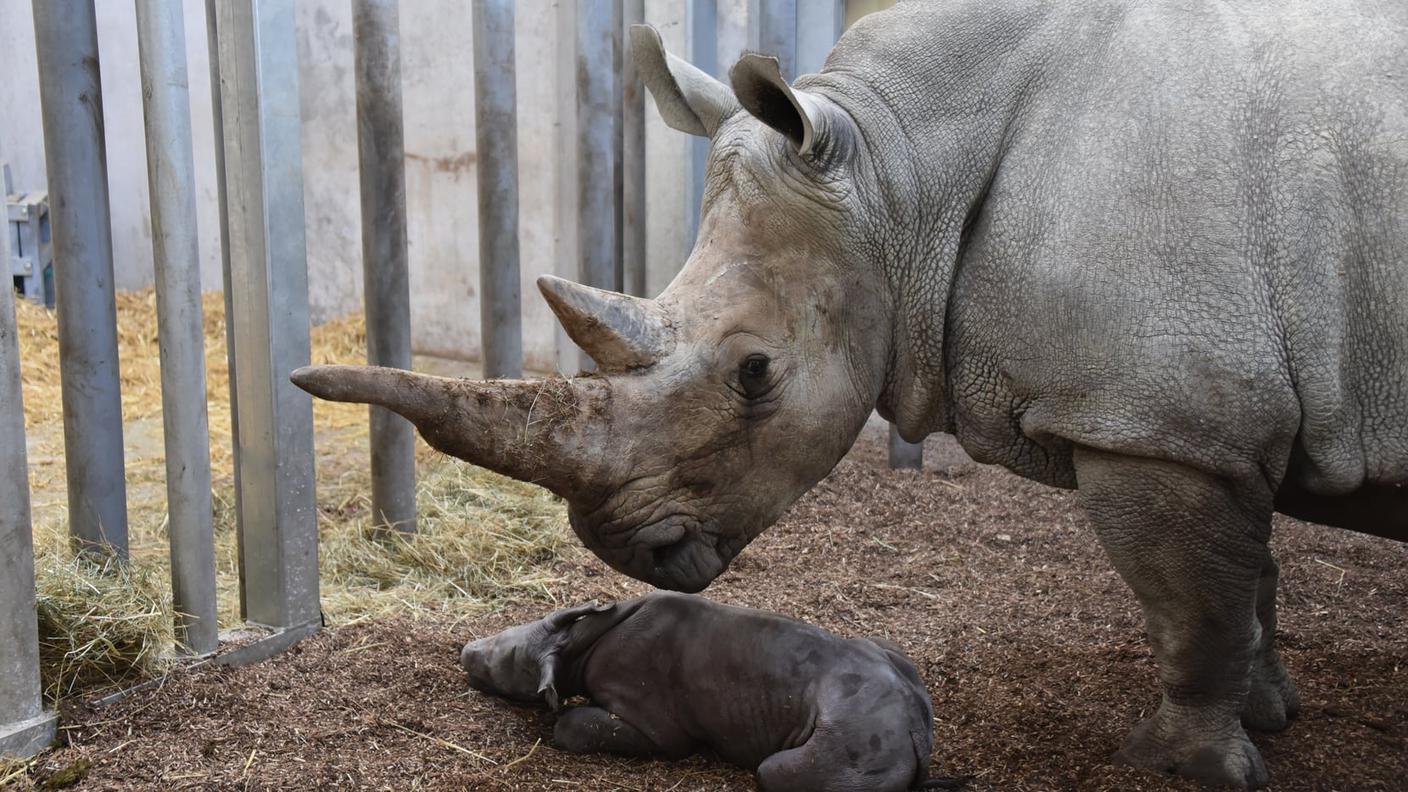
1155	251
673	674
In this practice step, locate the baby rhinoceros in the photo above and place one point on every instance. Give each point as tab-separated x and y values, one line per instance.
671	674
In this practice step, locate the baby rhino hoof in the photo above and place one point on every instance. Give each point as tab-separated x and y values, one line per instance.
1227	758
1272	700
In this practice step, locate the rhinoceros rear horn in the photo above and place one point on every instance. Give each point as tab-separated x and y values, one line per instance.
759	87
688	99
619	331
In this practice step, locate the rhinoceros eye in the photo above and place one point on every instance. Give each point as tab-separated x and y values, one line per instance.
753	376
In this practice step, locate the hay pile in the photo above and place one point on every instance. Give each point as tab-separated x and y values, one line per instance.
101	624
483	538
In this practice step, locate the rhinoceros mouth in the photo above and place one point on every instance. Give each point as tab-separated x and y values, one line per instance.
680	552
688	565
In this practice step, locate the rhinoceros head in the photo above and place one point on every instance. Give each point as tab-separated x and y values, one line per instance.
719	403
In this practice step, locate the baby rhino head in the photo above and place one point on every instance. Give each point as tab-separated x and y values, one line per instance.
522	663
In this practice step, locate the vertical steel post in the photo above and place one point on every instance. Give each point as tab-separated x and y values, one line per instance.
632	162
496	138
777	34
618	131
904	454
161	39
596	205
269	285
25	728
212	45
71	100
567	358
819	25
386	289
703	25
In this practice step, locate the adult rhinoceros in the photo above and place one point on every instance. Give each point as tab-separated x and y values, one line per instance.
1156	251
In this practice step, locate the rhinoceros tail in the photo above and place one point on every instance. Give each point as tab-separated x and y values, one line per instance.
923	745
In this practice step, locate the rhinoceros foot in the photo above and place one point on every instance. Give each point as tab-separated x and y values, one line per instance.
1272	700
1195	743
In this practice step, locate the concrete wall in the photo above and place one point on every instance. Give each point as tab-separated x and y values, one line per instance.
855	9
438	86
438	105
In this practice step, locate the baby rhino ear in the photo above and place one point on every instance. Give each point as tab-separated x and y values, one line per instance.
547	685
563	644
560	620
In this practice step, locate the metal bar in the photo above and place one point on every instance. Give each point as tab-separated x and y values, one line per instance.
212	44
270	645
632	160
904	454
596	223
496	138
171	180
25	728
777	33
819	25
567	356
703	53
71	100
386	289
245	646
269	284
29	241
618	131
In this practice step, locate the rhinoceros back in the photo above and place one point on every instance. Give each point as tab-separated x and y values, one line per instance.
1327	173
1195	245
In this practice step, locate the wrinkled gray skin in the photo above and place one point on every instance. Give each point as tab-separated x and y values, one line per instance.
672	674
1156	251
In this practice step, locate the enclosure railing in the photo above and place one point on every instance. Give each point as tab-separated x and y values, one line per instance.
24	725
255	96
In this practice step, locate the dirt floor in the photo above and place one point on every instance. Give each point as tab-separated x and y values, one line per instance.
1031	647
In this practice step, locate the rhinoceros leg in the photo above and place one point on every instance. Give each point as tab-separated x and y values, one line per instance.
1192	548
594	730
1271	699
823	764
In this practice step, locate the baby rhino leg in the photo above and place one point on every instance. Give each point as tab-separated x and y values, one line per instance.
825	763
594	730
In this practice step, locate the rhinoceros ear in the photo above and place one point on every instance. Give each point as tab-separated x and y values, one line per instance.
688	99
565	643
759	87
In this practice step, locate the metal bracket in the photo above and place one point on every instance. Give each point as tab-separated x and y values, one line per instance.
29	737
241	647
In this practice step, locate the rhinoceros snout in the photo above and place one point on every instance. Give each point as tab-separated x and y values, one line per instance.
688	565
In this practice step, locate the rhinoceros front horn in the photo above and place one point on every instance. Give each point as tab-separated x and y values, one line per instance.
543	432
619	331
